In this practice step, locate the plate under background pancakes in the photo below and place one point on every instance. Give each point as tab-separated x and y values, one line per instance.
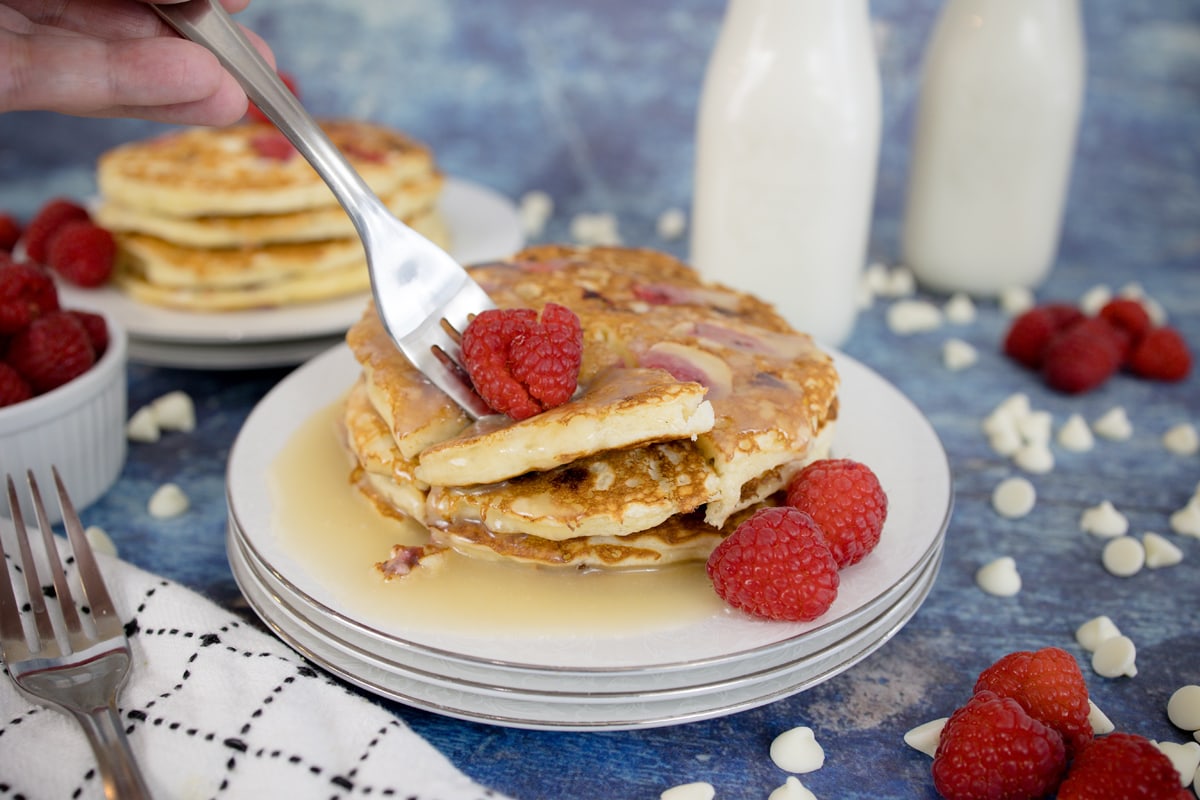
878	426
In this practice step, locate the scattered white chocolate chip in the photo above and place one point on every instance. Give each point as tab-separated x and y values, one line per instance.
1034	457
792	789
1095	299
924	738
1016	300
1123	556
1160	551
1014	497
959	309
1114	424
168	500
1183	709
1187	519
599	229
1103	520
900	282
797	750
958	355
1182	439
671	224
1036	426
534	210
174	411
913	316
1075	435
1005	440
999	577
1115	657
1098	720
1096	630
875	278
143	426
99	539
1185	758
690	791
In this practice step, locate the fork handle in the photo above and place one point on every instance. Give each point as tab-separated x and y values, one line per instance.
208	24
118	771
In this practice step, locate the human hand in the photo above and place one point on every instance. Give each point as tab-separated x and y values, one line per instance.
112	58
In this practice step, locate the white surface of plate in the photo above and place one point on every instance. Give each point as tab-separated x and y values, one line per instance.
483	226
877	425
257	355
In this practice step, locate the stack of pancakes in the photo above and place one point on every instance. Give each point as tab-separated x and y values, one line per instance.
696	404
221	219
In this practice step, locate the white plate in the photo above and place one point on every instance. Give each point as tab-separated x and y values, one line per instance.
483	226
255	355
877	425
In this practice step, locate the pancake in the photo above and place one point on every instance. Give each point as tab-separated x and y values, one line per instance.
385	474
238	170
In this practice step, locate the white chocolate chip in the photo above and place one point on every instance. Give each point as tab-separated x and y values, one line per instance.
875	277
797	750
1075	435
1034	457
1114	424
142	426
1036	426
168	500
792	789
999	577
1185	758
1095	299
1187	519
1160	551
958	355
1014	497
690	791
1183	709
1096	630
1104	520
1115	657
99	539
1124	556
913	316
1016	300
959	309
925	737
900	282
174	411
597	229
1182	439
535	209
671	224
1005	441
1098	720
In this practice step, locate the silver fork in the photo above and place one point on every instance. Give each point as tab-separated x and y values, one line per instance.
424	297
76	670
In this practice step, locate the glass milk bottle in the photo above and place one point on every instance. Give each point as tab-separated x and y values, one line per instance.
787	142
1002	89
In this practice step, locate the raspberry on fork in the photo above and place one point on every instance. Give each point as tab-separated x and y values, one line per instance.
845	499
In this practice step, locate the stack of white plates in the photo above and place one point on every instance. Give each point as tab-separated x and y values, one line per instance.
483	226
698	669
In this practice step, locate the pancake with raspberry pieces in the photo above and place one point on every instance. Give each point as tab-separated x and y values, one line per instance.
695	403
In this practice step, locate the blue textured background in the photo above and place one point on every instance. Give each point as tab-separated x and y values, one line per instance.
594	102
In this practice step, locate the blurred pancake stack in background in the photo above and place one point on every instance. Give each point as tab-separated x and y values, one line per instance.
224	219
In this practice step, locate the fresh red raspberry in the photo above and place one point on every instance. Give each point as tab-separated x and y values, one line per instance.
1161	355
776	565
26	292
83	253
10	232
1049	686
46	223
13	388
845	499
50	351
519	365
1083	357
990	749
1122	766
273	145
1127	315
1032	331
96	327
255	114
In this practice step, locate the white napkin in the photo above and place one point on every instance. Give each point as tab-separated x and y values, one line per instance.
217	708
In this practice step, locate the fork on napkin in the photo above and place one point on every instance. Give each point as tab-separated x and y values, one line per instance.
216	707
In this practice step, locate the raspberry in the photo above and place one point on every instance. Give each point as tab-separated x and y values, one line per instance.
13	388
50	351
991	749
273	145
1129	316
1032	331
1049	686
255	114
776	565
26	292
845	499
46	223
1122	766
96	327
10	232
1083	357
83	253
519	365
1161	355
